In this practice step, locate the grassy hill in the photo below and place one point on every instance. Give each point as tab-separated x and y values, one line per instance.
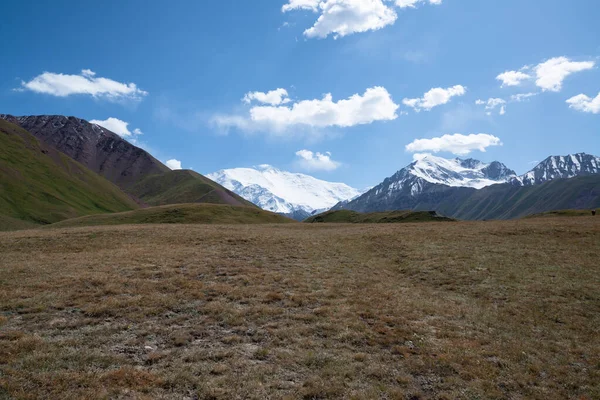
184	186
347	216
41	185
182	214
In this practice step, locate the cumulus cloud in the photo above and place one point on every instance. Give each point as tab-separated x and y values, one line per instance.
552	73
316	161
345	17
375	104
549	75
174	164
457	144
117	126
435	97
63	85
585	103
513	78
274	97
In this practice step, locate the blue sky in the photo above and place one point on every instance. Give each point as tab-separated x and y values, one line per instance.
179	72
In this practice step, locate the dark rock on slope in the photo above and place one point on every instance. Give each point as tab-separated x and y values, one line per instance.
99	149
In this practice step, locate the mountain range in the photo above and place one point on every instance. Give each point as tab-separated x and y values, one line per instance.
470	189
54	168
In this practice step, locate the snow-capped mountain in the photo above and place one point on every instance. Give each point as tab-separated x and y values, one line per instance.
283	192
427	177
454	172
557	167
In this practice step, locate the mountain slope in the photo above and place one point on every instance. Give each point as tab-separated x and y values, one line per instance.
508	202
559	167
283	192
42	185
97	148
184	186
181	214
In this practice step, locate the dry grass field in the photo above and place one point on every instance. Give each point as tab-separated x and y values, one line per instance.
483	310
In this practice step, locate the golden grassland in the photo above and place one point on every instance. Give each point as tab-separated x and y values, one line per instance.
482	310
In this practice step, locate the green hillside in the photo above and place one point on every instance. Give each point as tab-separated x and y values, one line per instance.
41	185
184	186
347	216
182	214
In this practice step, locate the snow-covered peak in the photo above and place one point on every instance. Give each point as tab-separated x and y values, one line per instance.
560	167
282	191
457	172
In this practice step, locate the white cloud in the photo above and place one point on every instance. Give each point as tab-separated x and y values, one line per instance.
585	103
316	161
173	164
312	5
375	104
413	3
522	97
274	97
552	73
491	104
457	144
117	126
494	102
513	78
435	97
345	17
549	75
62	85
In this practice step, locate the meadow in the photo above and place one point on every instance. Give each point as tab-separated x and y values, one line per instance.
454	310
